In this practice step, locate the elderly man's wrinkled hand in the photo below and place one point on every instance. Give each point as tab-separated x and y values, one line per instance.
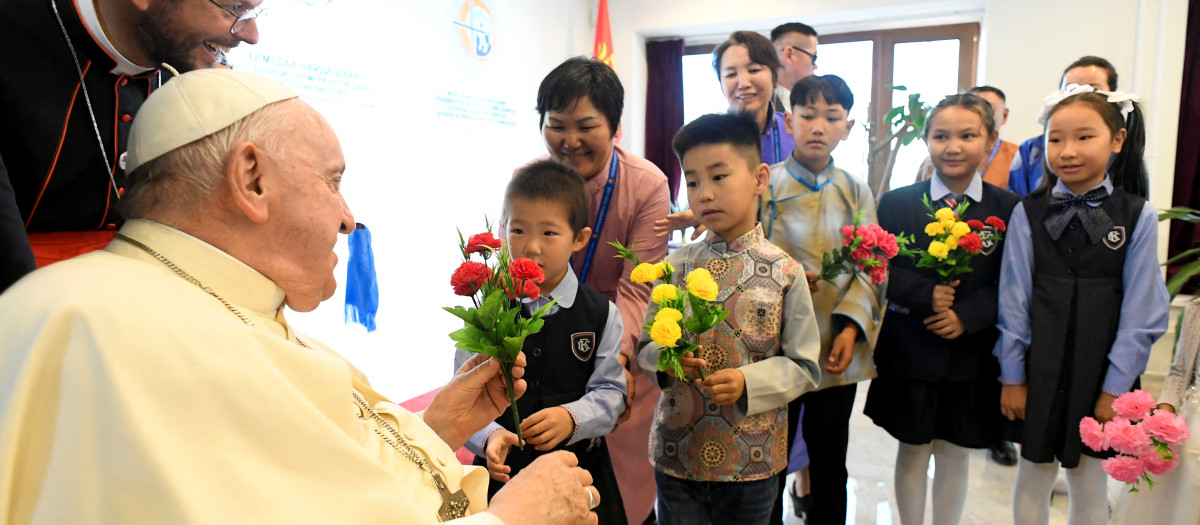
552	490
475	397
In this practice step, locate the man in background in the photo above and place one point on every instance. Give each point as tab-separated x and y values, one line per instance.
75	74
796	44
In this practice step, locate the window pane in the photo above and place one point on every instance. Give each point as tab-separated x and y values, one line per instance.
701	88
852	62
928	68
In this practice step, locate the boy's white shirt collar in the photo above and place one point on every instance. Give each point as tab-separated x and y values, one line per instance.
87	10
938	190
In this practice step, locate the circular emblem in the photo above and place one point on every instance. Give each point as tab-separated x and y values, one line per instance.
477	29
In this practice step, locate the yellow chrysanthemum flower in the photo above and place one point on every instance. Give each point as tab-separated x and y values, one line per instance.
698	273
643	273
702	286
663	293
668	314
938	249
663	268
960	229
951	242
666	333
944	214
949	224
934	228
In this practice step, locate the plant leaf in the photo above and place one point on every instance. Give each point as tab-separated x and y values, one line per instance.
468	315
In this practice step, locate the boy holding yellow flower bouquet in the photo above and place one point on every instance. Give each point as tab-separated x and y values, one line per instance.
719	441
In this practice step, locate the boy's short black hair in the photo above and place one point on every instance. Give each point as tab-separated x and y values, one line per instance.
988	89
552	181
792	27
761	51
830	87
739	130
1099	62
579	77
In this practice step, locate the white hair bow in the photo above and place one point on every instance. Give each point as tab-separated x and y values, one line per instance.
1125	99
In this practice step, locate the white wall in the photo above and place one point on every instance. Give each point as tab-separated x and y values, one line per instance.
412	176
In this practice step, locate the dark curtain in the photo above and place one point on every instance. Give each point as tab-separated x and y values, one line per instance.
1187	153
664	106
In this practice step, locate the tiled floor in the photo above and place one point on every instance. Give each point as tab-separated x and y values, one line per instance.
872	499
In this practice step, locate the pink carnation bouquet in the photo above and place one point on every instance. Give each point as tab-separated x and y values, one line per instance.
1142	436
865	249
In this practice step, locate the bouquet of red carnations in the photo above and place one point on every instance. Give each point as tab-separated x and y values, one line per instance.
1141	435
865	248
494	325
955	242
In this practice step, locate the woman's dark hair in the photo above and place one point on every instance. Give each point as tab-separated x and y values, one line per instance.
1127	170
761	51
580	77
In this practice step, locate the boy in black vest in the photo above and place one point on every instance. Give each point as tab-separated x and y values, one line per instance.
576	384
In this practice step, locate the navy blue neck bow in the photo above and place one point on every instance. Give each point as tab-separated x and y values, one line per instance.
1066	206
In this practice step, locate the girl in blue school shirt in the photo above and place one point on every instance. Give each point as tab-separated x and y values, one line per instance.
1081	298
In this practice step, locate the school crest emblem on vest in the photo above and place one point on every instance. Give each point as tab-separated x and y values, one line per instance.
1115	238
989	237
583	345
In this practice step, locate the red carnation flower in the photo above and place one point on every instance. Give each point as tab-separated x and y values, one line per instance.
996	222
848	234
480	242
470	277
879	273
525	270
528	289
975	224
970	242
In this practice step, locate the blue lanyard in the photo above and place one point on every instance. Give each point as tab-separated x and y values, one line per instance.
775	138
601	213
774	203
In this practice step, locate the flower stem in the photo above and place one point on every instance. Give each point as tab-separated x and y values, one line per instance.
506	369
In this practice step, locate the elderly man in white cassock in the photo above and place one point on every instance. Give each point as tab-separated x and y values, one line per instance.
157	381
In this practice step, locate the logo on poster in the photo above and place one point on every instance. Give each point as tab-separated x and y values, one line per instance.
477	29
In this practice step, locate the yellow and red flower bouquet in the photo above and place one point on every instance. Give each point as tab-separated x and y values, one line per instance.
955	242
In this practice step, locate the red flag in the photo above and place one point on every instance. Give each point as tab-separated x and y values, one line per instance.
603	50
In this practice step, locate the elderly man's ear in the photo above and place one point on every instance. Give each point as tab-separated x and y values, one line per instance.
248	179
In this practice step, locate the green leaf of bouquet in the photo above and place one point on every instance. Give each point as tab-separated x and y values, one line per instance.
512	346
624	252
490	309
506	323
534	326
468	315
696	303
537	314
664	360
692	324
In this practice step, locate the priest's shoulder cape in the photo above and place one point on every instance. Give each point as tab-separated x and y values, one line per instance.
129	395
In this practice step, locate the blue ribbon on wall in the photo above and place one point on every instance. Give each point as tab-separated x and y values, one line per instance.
362	287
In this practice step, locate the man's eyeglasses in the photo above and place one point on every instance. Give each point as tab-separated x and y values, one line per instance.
241	17
812	55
